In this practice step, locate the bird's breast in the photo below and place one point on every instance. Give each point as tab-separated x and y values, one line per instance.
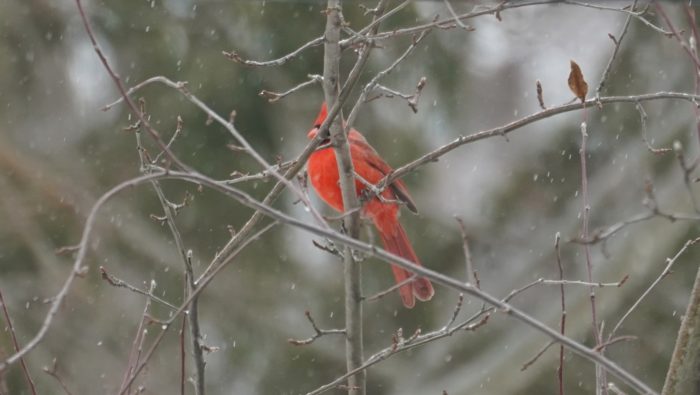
323	174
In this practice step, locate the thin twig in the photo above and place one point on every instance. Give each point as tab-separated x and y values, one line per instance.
229	126
15	344
687	171
411	100
449	22
645	138
399	344
165	325
235	57
636	15
182	355
675	33
562	320
537	356
176	134
389	290
274	96
195	331
116	282
682	377
615	340
169	211
456	17
261	176
137	345
120	87
602	234
375	80
693	44
669	264
53	372
500	131
618	42
470	272
317	332
376	21
601	383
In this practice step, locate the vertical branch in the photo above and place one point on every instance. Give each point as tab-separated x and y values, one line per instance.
352	273
600	373
682	376
693	41
562	323
186	257
137	345
15	343
195	332
182	355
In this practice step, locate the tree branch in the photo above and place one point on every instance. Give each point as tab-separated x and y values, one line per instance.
682	377
15	344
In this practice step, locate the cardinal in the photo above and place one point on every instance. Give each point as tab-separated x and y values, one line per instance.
322	169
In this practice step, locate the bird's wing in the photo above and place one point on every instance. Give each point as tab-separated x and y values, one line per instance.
370	156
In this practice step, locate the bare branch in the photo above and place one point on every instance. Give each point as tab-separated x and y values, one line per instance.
674	32
643	121
636	15
615	340
195	331
562	320
116	282
228	125
261	176
669	264
456	17
235	57
389	290
274	96
537	356
15	344
687	171
412	100
448	23
517	124
617	42
317	332
165	325
470	272
137	345
120	87
682	375
53	372
601	381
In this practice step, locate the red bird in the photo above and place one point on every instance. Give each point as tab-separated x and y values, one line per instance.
323	172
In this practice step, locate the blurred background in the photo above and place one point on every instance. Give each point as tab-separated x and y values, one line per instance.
59	153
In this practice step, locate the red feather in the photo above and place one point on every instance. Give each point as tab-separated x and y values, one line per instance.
323	173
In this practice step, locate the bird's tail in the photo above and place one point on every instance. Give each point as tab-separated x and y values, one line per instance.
396	241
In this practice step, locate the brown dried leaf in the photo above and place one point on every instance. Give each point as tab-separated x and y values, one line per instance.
540	99
576	82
